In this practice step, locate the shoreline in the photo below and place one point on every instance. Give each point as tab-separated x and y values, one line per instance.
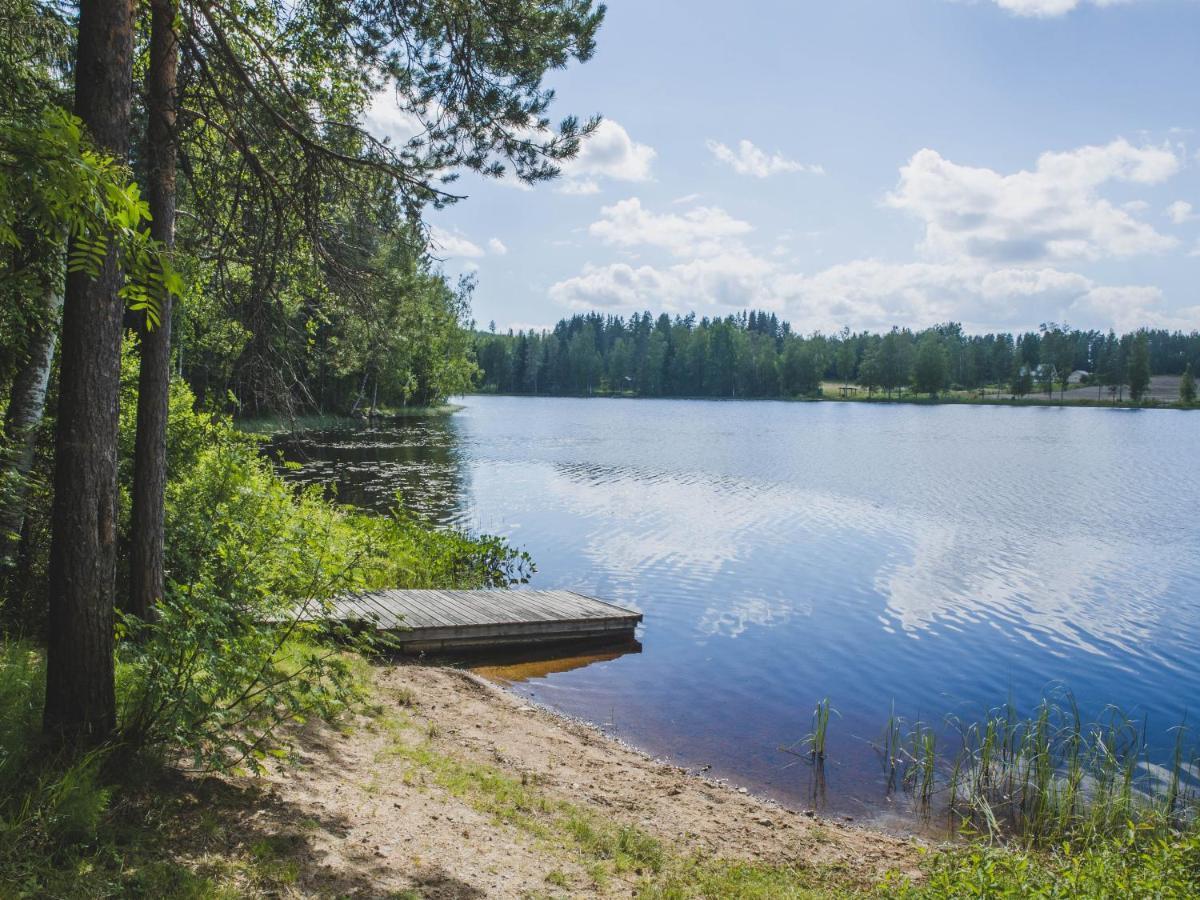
456	774
276	425
1018	403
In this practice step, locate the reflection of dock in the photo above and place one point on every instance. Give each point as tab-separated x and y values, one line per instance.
433	621
527	665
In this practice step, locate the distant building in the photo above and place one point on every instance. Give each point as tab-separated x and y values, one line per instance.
1079	376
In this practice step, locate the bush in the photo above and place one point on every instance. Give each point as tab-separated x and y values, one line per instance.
227	657
45	804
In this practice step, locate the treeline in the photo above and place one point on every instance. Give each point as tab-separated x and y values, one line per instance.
755	354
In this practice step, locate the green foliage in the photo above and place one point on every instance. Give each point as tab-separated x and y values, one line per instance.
1136	863
225	660
1187	387
319	290
1139	366
931	371
754	354
46	803
57	190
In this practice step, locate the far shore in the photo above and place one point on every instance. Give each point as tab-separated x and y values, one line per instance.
1075	397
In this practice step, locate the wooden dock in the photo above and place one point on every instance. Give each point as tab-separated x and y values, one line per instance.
433	621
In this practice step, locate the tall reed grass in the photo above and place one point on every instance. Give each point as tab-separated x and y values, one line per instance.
1045	777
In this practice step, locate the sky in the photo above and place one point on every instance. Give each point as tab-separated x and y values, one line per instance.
999	163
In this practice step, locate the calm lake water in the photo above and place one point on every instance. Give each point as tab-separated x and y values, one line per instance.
941	558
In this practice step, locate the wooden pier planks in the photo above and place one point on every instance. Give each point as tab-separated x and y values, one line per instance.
425	620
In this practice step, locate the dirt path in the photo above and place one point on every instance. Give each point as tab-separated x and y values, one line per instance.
457	789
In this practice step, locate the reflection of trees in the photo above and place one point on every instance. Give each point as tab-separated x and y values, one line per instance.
419	458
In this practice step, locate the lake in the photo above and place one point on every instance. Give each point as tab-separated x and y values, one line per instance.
944	559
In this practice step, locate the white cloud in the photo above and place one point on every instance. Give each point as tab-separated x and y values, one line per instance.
609	153
449	244
871	294
750	160
1180	211
1051	213
701	231
578	187
1046	9
384	118
717	284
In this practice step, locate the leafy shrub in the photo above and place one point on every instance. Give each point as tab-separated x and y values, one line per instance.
228	657
45	804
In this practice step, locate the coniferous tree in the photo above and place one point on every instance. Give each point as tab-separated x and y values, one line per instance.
1139	368
80	701
1187	387
931	368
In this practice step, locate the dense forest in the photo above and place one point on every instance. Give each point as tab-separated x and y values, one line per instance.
755	354
195	222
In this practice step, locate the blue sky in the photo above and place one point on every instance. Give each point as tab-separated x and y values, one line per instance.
900	162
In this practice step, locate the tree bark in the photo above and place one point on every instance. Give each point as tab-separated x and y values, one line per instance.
26	406
80	698
154	375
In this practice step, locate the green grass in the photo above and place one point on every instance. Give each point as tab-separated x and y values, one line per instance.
1136	864
600	846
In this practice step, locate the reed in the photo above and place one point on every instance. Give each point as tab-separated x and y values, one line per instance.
891	750
812	745
1040	779
1051	776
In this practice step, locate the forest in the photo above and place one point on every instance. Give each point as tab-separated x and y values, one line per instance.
755	354
195	224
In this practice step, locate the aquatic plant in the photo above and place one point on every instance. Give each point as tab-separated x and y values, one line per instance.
1050	776
812	744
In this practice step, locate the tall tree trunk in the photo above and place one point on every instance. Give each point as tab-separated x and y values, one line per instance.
154	376
80	698
21	421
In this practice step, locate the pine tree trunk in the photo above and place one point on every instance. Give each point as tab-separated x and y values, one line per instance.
25	408
154	376
80	698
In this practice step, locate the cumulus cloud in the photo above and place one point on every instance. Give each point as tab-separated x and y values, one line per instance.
700	231
750	160
1047	9
994	243
579	186
1051	213
871	294
609	153
451	244
1180	211
385	119
715	284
